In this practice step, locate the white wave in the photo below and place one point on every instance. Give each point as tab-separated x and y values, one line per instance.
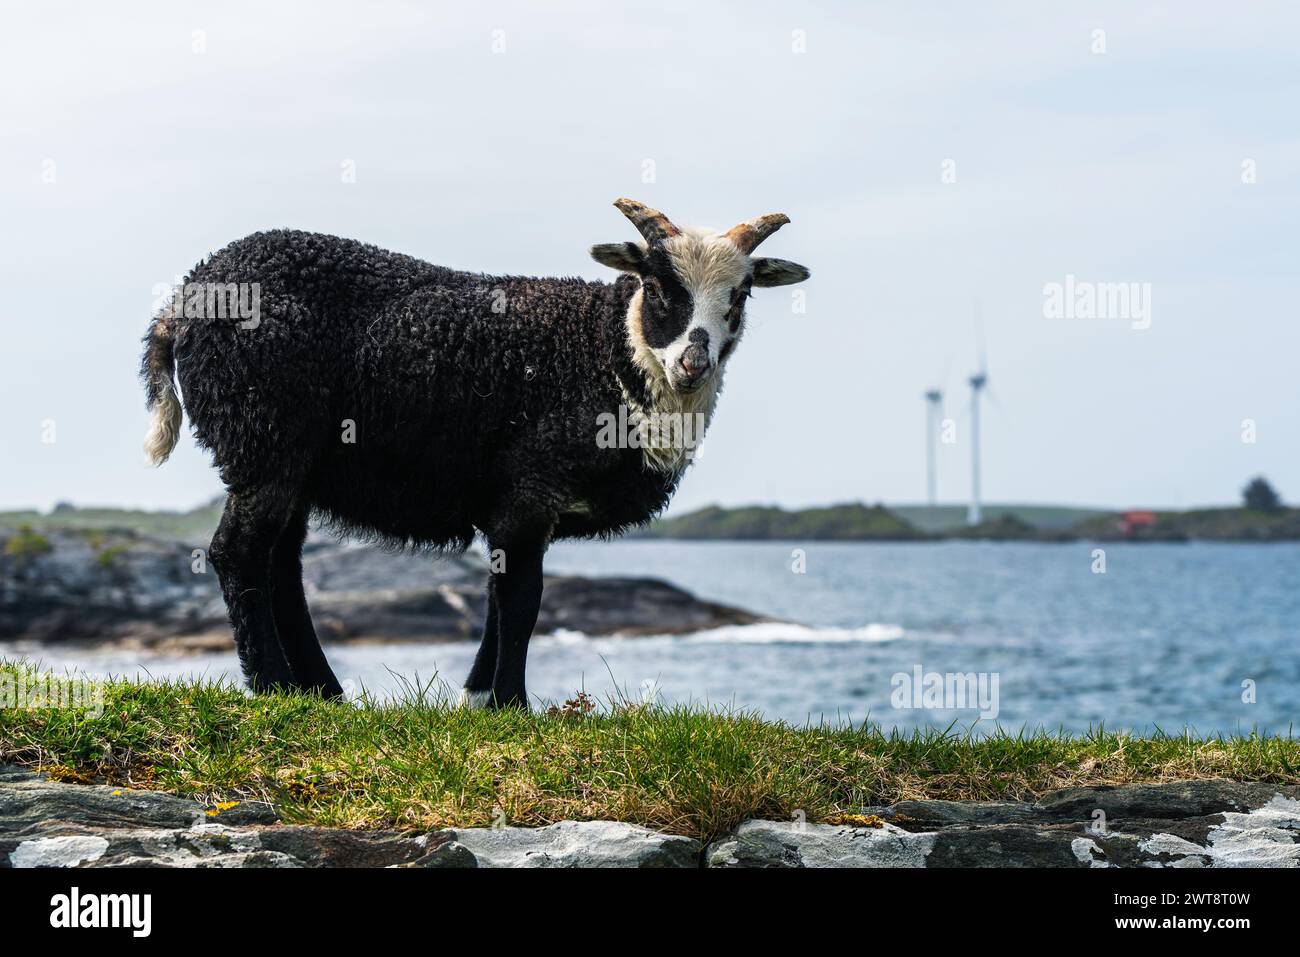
778	632
763	633
567	636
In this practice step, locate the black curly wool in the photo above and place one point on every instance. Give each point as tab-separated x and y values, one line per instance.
404	401
457	407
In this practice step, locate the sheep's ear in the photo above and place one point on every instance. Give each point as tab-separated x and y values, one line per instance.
778	272
625	257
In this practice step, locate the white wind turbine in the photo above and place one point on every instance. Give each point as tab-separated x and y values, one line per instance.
933	418
977	383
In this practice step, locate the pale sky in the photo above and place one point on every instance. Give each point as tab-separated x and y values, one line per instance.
502	151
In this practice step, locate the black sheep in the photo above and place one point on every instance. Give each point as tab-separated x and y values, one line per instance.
417	404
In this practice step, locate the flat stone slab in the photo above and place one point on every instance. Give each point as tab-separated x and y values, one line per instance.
797	844
45	823
572	844
1178	824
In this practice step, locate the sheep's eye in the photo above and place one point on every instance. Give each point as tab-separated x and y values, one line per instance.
653	291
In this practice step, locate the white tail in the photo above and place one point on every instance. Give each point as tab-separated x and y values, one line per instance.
165	426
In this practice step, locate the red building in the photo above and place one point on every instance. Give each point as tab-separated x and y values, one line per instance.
1129	522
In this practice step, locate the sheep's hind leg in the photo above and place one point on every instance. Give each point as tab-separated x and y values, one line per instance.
477	692
293	625
241	553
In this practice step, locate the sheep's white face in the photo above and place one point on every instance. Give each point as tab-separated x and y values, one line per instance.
692	305
689	313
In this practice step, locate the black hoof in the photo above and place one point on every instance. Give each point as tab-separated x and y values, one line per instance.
327	687
501	701
260	685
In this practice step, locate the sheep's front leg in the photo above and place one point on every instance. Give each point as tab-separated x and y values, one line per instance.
477	692
293	624
518	590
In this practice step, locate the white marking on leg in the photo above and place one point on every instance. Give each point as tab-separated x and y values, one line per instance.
474	699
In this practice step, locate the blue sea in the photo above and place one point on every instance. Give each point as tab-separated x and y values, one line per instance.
1055	636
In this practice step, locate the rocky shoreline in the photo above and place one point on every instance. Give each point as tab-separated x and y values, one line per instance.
123	589
1206	823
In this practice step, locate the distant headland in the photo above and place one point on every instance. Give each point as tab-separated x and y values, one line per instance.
1262	517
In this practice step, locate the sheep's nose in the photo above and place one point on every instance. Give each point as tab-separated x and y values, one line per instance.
695	361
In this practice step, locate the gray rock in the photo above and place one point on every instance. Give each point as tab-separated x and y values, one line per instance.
1005	845
30	803
1177	824
65	584
1170	800
329	565
45	823
576	844
919	815
110	586
630	606
797	844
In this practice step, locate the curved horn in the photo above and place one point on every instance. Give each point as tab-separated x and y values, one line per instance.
748	235
650	223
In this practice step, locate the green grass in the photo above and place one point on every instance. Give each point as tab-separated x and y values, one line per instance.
851	522
195	525
419	764
1207	524
859	522
27	544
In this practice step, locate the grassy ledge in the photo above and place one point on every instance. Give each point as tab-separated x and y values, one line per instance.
420	764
